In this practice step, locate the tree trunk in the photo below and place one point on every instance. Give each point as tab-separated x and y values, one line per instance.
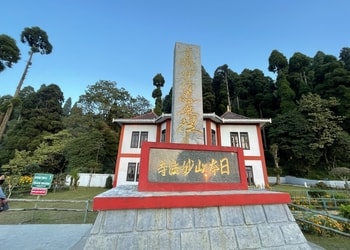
228	94
5	120
18	89
274	152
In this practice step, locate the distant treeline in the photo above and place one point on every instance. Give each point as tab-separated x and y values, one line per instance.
309	103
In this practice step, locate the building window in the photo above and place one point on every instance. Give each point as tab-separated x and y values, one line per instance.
204	139
136	139
250	176
245	140
162	136
144	137
240	140
133	172
213	137
234	139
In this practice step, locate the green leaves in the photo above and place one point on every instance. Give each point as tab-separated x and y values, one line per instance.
277	62
322	121
37	39
158	80
9	52
104	97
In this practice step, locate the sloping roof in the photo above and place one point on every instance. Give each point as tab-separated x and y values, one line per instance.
149	115
231	115
147	118
233	118
227	118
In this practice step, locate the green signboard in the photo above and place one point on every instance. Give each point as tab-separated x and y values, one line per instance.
42	181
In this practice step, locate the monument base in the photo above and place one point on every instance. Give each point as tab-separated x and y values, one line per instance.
128	197
222	223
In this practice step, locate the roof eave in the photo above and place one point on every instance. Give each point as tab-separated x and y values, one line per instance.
213	117
261	122
134	121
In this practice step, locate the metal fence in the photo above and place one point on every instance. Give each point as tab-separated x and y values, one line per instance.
320	199
24	211
304	216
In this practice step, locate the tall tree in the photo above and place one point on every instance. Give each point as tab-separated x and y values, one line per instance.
292	135
167	102
38	42
67	107
85	152
207	92
345	57
158	82
323	65
300	74
286	94
338	154
40	113
103	100
278	63
324	124
277	169
252	88
223	85
9	52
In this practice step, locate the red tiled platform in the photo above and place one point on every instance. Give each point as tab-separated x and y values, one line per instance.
128	197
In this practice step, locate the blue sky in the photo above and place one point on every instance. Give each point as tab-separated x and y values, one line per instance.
129	42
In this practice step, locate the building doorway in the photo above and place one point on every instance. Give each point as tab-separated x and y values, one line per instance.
250	176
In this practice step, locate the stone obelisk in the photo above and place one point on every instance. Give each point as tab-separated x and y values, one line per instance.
187	101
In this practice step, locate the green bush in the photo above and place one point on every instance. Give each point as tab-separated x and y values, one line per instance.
345	211
320	220
317	193
109	182
322	185
342	198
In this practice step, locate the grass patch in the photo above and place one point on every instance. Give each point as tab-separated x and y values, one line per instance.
330	243
82	193
53	208
288	188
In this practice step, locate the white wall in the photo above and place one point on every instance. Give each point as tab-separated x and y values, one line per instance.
252	133
257	172
307	182
123	170
152	131
96	180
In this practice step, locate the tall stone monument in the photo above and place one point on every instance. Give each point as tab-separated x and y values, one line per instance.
187	101
198	204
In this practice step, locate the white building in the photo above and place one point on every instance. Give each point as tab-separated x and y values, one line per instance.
228	130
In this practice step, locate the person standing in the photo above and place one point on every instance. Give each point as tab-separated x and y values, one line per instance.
3	199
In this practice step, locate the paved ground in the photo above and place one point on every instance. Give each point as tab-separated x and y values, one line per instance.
50	237
44	237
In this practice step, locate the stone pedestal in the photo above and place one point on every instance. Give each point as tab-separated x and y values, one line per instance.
222	225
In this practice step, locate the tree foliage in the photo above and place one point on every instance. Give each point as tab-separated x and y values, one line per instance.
345	57
9	52
158	82
37	40
341	172
278	63
308	101
207	92
103	97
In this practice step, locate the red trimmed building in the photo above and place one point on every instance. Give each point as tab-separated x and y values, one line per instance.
228	130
